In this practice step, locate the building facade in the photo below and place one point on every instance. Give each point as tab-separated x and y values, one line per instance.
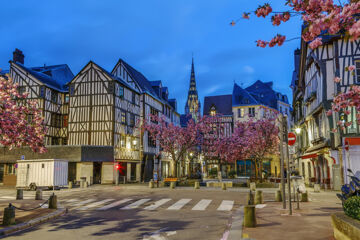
154	100
255	102
321	155
96	114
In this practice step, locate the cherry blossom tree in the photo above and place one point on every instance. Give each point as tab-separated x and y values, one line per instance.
235	147
175	140
262	141
21	122
320	17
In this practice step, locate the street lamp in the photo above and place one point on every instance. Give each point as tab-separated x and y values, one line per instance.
191	154
298	130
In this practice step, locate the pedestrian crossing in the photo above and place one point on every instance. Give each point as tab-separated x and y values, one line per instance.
146	204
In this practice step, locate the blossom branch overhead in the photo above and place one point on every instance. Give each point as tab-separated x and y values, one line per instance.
321	17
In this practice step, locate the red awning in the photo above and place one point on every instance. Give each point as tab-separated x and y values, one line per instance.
352	141
309	155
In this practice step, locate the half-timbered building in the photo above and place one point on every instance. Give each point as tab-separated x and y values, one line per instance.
154	100
47	86
320	152
104	111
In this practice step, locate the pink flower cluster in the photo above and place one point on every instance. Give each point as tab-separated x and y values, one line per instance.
278	18
344	101
316	43
21	121
246	15
321	17
263	11
262	43
277	40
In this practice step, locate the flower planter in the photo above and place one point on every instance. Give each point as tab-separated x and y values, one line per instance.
345	227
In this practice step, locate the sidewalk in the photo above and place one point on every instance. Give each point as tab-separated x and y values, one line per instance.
312	221
24	216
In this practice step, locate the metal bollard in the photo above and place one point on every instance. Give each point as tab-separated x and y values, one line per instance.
9	216
223	186
253	186
250	198
70	185
172	185
196	185
249	216
151	184
278	196
19	194
38	195
259	197
316	187
304	197
53	202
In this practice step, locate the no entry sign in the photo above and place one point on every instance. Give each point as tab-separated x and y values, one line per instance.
291	138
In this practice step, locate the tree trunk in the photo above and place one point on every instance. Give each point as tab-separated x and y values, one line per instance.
256	170
173	168
261	168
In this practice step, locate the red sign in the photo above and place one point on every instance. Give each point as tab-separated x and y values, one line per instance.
291	138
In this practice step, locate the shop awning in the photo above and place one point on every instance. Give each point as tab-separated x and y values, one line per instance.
352	141
309	155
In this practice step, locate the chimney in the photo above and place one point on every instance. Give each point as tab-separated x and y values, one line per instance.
18	56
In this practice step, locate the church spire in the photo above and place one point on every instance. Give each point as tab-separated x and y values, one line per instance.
193	106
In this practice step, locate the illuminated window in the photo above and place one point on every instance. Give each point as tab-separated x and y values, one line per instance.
213	111
241	112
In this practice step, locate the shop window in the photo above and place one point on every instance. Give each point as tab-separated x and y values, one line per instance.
11	169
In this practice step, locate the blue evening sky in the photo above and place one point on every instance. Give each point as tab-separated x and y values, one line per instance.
157	37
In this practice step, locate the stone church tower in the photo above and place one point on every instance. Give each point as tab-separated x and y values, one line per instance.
193	106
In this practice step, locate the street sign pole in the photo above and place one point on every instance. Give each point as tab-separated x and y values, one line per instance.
287	163
282	159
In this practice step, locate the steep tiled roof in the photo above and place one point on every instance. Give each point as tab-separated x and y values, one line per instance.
144	83
222	104
141	80
115	77
55	76
241	97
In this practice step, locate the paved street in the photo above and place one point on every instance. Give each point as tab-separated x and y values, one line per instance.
139	213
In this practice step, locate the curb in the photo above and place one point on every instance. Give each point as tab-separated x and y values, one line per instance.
31	223
235	231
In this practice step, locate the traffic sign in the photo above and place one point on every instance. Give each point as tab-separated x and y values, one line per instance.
22	157
291	138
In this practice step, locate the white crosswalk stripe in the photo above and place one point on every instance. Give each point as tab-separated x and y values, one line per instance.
202	205
136	204
7	198
95	204
114	204
226	205
179	204
82	203
72	200
157	204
